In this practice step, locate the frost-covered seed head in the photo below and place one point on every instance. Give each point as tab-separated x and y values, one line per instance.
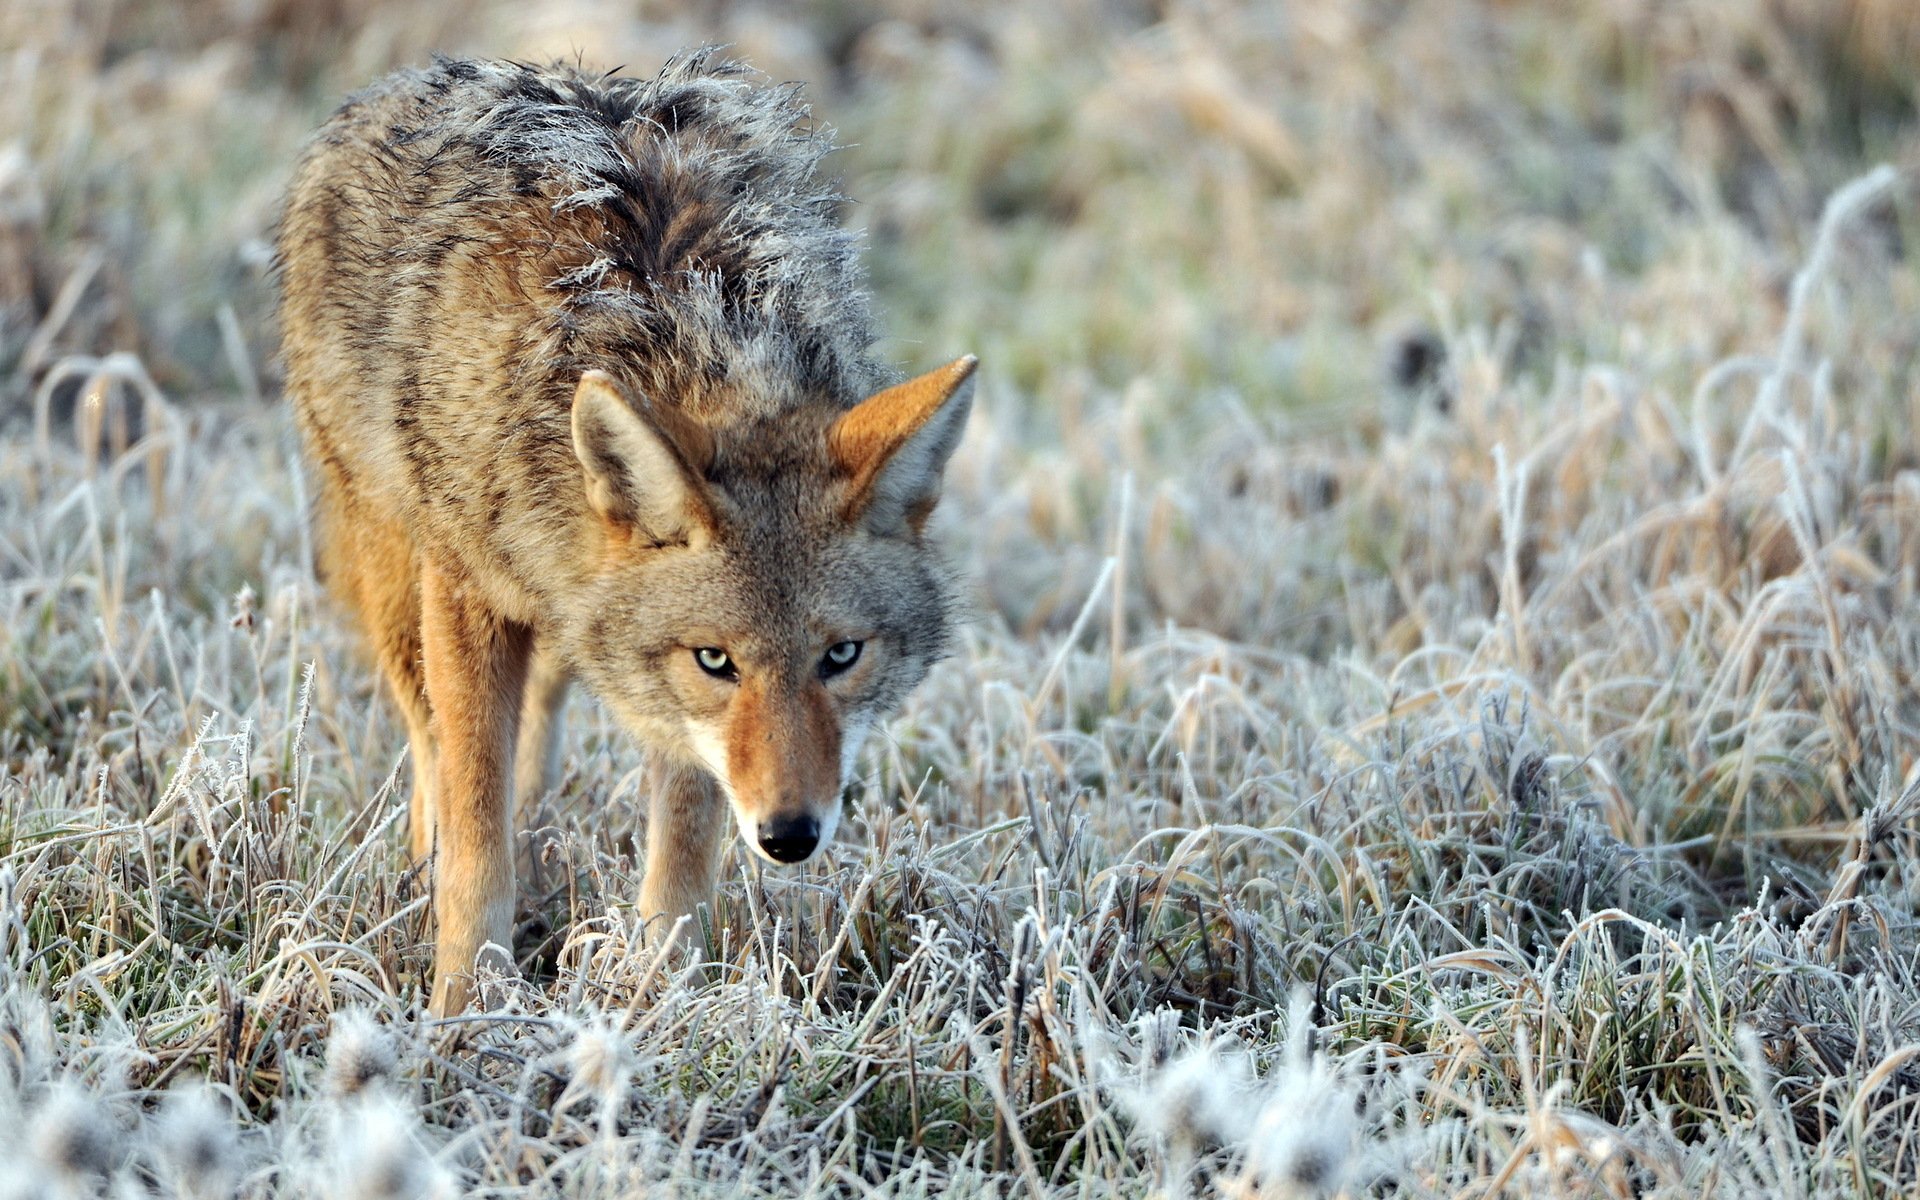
599	1064
1199	1099
73	1136
1302	1142
599	1059
195	1142
359	1053
377	1153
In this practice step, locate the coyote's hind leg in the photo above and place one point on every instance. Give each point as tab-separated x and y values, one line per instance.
536	759
536	762
372	564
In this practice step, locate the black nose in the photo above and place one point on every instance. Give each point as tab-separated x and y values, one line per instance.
789	839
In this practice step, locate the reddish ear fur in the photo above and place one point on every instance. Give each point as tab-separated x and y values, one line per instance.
871	436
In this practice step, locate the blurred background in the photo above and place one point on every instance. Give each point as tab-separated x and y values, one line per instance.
1294	203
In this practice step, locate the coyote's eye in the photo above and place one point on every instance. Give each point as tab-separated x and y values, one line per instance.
839	657
716	662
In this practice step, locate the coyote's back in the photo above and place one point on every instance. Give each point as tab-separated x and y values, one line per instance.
582	366
463	242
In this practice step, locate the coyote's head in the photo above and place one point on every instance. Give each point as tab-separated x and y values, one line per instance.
763	593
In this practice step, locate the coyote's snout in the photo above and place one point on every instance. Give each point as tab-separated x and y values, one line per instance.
582	365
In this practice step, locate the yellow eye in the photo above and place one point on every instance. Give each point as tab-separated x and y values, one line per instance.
715	662
839	657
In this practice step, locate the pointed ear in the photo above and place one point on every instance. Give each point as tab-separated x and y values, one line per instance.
895	444
642	465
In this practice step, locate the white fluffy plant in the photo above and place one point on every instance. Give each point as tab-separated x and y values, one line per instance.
599	1064
64	1123
367	1140
74	1145
1290	1134
1305	1138
194	1145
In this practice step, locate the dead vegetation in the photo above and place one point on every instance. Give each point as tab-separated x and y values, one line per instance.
1440	713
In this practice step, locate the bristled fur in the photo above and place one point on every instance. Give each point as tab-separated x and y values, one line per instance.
583	367
689	213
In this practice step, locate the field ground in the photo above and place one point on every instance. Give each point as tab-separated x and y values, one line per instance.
1439	717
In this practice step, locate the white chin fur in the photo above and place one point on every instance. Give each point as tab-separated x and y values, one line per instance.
829	823
712	752
851	739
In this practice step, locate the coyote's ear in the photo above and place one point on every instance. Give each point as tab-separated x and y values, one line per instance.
894	445
642	470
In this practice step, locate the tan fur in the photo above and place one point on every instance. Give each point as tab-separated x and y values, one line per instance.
783	747
581	368
686	821
476	669
536	756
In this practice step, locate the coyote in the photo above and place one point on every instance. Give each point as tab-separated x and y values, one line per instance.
582	366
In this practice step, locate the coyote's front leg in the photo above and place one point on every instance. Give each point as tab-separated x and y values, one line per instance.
476	670
685	822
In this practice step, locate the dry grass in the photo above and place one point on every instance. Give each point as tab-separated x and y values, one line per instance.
1440	718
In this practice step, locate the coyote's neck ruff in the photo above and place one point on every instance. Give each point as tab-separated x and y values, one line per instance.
583	367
